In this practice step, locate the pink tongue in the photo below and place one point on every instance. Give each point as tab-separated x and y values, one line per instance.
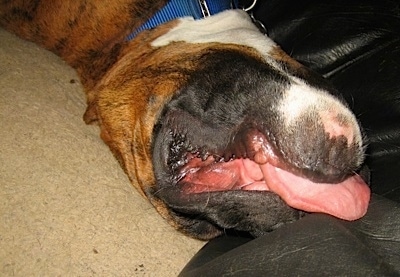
346	200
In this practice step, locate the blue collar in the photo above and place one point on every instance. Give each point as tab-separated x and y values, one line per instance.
174	9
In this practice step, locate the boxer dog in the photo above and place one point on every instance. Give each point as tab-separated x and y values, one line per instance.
213	123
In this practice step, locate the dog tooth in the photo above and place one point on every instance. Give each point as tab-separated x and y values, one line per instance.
218	158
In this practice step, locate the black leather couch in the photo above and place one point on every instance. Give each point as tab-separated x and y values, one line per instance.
356	45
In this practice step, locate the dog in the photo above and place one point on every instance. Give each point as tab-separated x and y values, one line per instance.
213	123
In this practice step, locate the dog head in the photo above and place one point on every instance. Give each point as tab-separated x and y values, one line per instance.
220	129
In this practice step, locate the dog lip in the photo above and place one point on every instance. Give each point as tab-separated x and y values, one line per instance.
249	145
260	169
233	168
347	199
207	176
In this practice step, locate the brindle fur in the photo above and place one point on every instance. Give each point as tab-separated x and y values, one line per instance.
88	35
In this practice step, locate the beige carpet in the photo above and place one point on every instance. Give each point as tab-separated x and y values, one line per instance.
66	207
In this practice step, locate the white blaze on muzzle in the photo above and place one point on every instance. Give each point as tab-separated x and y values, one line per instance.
302	100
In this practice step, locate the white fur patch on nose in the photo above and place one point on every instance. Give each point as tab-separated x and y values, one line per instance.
302	100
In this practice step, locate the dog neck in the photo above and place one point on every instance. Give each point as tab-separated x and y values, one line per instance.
174	9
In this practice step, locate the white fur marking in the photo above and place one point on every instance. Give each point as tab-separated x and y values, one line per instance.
231	26
301	98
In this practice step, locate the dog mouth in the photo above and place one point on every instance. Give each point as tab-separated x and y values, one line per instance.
251	162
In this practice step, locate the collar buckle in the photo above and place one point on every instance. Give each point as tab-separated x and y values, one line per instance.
204	8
